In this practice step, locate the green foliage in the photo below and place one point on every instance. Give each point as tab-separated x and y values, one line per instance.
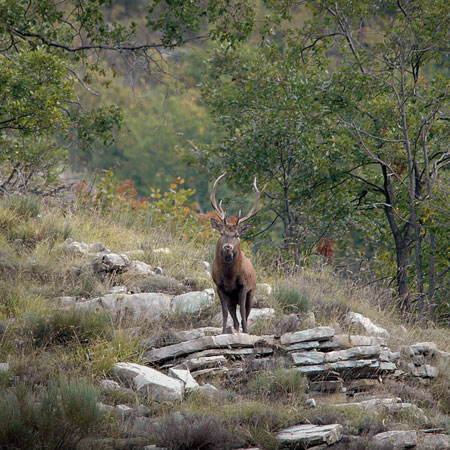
291	297
56	416
280	383
24	207
66	326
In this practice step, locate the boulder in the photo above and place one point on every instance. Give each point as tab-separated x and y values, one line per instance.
347	340
123	412
193	302
153	384
109	263
313	334
366	323
434	442
309	435
146	306
396	439
139	269
185	376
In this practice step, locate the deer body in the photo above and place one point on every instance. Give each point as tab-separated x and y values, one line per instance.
232	272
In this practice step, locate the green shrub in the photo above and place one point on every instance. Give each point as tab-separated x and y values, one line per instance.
290	297
279	383
26	207
193	431
65	326
55	417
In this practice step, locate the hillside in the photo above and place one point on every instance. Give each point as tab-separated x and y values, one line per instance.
110	339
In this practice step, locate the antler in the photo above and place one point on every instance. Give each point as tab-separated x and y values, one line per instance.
219	210
253	211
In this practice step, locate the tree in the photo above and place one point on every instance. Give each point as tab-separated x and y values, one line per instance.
265	103
395	104
377	122
49	48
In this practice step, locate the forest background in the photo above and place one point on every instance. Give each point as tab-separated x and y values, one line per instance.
340	109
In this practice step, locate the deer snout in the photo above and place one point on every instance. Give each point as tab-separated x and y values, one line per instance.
227	247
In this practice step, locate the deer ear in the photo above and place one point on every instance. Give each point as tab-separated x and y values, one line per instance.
216	224
244	229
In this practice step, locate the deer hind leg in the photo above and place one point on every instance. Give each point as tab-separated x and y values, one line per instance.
248	303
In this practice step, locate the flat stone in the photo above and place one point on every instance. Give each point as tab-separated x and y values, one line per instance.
261	351
347	340
221	341
155	385
139	269
185	376
308	435
424	348
366	323
397	439
311	345
434	442
204	362
388	356
210	372
307	358
313	334
123	412
370	351
193	302
425	371
176	337
145	306
337	366
109	385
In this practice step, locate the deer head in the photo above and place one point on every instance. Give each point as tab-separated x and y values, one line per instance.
228	244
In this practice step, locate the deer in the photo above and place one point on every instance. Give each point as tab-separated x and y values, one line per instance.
232	272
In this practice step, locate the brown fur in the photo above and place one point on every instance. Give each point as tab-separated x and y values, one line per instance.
235	279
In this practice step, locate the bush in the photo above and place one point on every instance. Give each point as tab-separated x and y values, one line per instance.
279	383
24	206
193	431
65	326
56	417
291	298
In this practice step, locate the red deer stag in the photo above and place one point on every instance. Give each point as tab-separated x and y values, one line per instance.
232	272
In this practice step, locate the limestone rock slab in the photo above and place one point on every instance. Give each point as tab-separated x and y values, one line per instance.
153	384
193	302
308	435
366	323
397	439
313	334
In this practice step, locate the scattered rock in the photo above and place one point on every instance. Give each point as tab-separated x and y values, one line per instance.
123	412
347	340
193	302
185	376
110	263
105	409
309	435
208	390
139	269
434	442
366	323
155	385
4	367
311	403
313	334
425	371
118	290
397	439
204	362
109	385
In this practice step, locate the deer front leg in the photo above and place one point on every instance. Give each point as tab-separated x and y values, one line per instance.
224	301
243	309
